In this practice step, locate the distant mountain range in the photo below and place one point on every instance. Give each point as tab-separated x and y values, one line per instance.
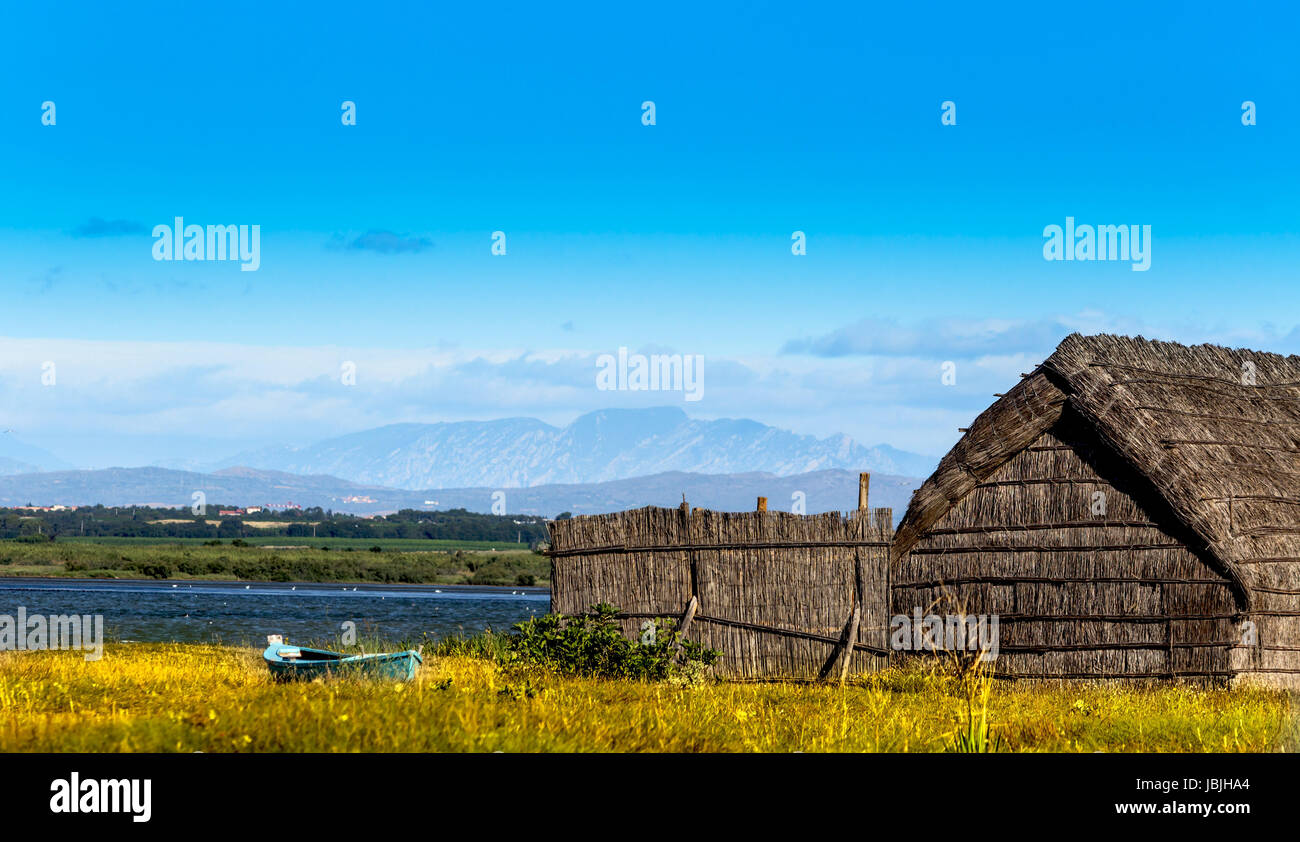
603	461
598	447
826	490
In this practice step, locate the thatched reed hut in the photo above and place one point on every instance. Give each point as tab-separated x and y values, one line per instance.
1129	510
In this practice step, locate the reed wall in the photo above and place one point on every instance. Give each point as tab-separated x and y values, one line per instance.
1088	573
776	593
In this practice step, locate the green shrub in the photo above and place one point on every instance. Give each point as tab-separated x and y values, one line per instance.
594	645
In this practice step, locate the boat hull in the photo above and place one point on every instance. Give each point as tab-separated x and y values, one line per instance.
319	663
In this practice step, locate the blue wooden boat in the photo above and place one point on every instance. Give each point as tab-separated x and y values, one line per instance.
287	663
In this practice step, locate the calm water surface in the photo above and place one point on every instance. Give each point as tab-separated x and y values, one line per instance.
244	613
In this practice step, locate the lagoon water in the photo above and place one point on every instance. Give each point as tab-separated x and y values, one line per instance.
245	613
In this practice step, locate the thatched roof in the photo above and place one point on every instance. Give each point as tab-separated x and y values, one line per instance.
1222	453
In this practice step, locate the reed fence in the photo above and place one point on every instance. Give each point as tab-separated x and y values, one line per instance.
779	595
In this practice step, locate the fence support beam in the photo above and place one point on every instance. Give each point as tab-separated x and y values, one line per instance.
688	615
852	639
684	624
843	652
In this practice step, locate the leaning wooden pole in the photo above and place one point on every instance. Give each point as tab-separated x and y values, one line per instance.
864	491
852	640
684	624
842	654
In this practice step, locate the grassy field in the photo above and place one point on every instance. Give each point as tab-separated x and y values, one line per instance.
255	563
394	544
154	697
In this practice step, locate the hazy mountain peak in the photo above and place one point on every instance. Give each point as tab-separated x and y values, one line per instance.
598	446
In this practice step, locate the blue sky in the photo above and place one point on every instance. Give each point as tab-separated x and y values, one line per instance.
924	240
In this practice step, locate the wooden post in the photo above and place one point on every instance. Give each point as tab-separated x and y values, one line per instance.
684	625
688	615
853	638
762	504
864	490
842	654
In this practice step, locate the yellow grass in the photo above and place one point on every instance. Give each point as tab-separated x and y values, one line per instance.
154	697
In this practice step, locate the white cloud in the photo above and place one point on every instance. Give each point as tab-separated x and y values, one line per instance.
203	396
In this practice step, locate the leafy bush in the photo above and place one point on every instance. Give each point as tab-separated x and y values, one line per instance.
594	645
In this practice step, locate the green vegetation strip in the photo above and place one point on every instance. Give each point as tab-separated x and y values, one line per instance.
249	562
400	544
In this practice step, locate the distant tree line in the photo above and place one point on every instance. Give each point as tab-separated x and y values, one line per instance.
148	522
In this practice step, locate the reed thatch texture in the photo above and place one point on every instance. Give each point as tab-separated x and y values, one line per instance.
776	592
1197	450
